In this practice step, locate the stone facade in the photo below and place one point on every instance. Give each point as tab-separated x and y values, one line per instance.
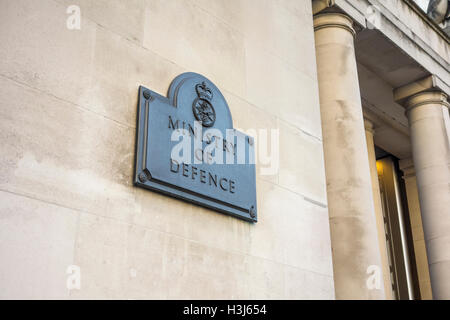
325	74
68	116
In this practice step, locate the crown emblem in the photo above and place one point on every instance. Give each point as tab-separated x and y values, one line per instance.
202	107
203	91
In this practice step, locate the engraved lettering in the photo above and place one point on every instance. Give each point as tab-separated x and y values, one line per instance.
232	186
192	130
213	179
202	176
172	125
224	188
185	170
174	166
194	172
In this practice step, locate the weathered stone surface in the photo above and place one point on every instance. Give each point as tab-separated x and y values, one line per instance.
197	41
57	152
125	18
68	103
119	260
302	167
279	89
36	246
349	189
262	126
39	51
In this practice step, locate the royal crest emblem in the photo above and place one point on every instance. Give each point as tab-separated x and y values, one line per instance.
202	107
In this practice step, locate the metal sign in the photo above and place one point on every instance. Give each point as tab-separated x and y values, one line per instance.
187	148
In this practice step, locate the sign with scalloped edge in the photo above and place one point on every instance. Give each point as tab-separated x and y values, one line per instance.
216	167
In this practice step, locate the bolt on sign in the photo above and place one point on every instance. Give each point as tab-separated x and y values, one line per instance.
187	148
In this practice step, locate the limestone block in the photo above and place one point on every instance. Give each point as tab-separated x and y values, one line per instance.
57	152
36	248
267	238
210	273
119	67
301	163
38	50
262	126
190	221
265	278
85	67
308	227
276	87
68	102
185	37
440	287
276	237
438	249
287	225
118	259
125	18
269	26
296	280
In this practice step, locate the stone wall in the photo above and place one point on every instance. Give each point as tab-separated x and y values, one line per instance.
68	101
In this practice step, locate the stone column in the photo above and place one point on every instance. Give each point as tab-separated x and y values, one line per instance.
429	127
412	195
350	202
368	125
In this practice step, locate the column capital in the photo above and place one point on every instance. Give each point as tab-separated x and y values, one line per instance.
333	20
426	97
319	5
404	95
368	125
407	166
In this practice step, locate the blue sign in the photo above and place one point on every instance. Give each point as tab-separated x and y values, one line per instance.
187	148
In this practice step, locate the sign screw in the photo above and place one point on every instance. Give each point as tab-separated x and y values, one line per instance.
252	212
143	177
147	94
